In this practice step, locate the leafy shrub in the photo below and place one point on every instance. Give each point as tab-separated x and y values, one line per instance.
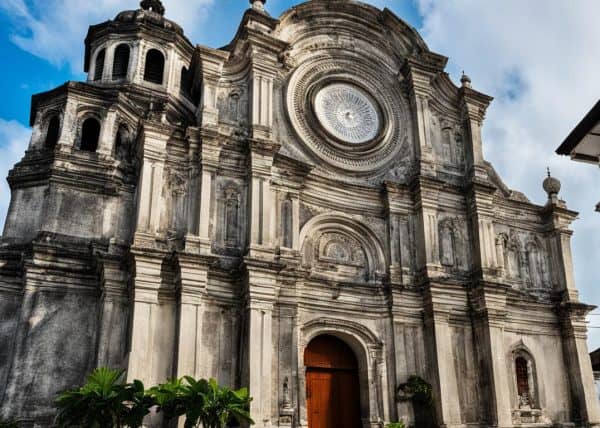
8	424
396	425
418	390
105	401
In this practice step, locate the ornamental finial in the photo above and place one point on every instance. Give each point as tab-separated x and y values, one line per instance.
465	80
258	4
155	6
551	186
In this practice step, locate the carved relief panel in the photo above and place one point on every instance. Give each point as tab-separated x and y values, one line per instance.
453	243
230	213
447	141
232	104
523	258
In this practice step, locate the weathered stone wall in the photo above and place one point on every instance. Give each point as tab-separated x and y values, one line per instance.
226	218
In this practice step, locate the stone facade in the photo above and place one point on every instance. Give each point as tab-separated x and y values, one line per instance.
208	212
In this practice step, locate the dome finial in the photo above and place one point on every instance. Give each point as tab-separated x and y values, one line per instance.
258	4
551	186
155	6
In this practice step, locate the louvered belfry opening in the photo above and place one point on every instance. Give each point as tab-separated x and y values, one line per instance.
90	134
121	62
155	67
52	133
99	65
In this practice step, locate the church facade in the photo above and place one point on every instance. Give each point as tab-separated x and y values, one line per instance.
306	211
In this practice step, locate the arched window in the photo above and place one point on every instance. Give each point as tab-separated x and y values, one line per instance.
99	65
523	389
186	83
286	223
155	67
122	144
52	133
90	134
121	62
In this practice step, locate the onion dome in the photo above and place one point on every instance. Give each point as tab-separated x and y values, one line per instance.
551	185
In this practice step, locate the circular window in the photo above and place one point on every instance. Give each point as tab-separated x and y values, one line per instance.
347	113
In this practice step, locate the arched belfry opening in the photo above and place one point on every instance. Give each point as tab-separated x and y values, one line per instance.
332	384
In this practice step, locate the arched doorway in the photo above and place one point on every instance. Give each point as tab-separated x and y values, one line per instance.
332	388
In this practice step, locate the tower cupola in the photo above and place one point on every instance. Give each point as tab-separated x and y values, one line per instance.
139	47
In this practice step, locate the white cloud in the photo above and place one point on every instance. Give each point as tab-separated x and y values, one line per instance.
55	29
15	138
539	60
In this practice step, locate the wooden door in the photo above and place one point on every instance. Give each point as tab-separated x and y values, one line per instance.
332	389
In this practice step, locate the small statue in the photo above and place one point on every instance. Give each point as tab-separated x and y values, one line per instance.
155	6
286	403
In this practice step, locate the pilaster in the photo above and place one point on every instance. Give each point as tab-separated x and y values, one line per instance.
152	341
114	303
287	182
489	315
150	199
198	238
208	64
399	207
418	73
437	325
572	315
263	53
262	199
192	280
586	409
258	368
473	107
426	194
480	210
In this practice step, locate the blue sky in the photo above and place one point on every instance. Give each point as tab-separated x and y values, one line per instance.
537	58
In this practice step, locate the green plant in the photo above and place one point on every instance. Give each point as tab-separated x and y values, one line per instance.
418	390
104	401
171	398
396	425
8	424
213	406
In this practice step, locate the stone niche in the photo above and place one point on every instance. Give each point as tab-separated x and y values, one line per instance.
346	252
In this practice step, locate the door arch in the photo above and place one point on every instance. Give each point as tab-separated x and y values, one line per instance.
332	386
